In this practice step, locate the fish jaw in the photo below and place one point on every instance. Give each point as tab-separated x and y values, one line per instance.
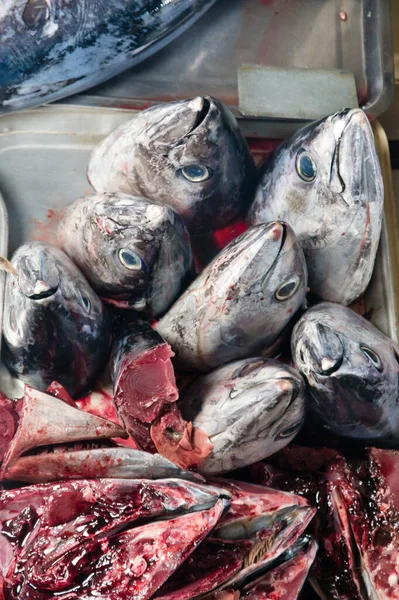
44	419
81	461
234	553
285	581
9	424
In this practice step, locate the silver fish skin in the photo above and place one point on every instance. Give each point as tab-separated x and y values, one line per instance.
55	327
326	182
51	49
352	372
241	302
250	409
189	154
135	253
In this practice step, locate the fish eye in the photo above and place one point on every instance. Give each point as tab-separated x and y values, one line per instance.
306	166
287	289
372	356
195	173
129	259
289	431
86	303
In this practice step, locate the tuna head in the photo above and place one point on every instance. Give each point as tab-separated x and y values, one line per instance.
55	326
352	372
326	182
250	409
241	302
134	253
189	154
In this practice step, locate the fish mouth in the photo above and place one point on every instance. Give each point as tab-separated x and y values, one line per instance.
42	294
203	106
319	350
360	175
280	531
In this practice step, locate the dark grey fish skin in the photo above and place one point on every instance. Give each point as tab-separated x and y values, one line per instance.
250	409
241	302
135	253
352	371
326	182
51	49
55	326
189	154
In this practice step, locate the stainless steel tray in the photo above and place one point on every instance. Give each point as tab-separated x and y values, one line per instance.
43	158
350	35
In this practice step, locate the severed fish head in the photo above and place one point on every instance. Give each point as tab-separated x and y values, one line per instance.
351	369
55	326
241	303
189	154
135	253
249	409
326	182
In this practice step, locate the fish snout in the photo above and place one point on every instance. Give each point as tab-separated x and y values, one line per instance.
42	290
357	165
319	349
289	384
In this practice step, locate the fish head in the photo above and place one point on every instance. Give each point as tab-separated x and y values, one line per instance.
352	372
320	178
249	409
50	310
198	159
126	246
263	273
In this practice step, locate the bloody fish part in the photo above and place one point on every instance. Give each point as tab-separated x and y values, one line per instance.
242	301
178	440
8	423
135	253
58	391
337	569
285	581
55	327
99	402
249	409
189	154
142	373
137	562
46	541
44	419
145	393
80	461
376	537
259	527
